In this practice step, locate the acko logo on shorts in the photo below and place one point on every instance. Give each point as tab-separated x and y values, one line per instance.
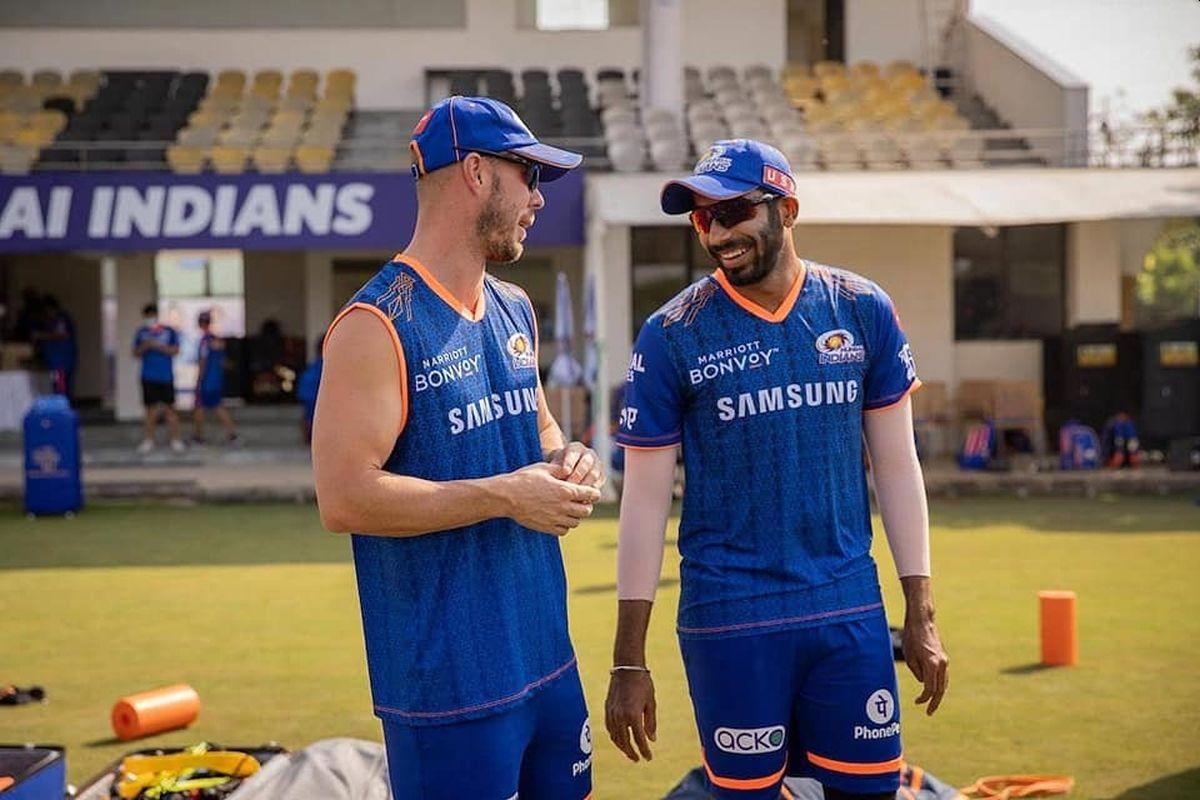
750	741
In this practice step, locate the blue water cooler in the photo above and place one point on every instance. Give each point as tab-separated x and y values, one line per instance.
53	479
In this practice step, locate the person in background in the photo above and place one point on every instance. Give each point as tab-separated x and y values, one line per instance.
306	391
210	382
28	316
55	340
157	345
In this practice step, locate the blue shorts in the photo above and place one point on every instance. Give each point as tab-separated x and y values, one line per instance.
540	750
816	702
208	398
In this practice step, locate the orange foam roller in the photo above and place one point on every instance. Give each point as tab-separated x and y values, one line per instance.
155	711
1060	646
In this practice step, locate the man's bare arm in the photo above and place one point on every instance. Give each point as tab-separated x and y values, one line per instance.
357	422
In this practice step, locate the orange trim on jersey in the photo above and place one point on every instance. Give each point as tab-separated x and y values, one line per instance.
401	362
917	778
786	792
916	384
854	767
779	314
744	784
441	291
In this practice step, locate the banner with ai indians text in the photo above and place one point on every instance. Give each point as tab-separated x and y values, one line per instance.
117	211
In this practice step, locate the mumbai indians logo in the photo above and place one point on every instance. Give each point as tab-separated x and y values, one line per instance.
397	299
47	458
714	160
837	347
521	350
749	741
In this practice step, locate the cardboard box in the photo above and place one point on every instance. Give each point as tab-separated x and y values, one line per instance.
1003	401
16	355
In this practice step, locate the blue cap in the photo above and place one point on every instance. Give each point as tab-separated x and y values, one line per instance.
460	125
730	168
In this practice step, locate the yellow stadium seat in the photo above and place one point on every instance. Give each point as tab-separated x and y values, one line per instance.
228	160
227	92
271	78
197	137
25	99
45	79
312	158
232	78
10	122
12	77
265	92
50	120
33	137
297	102
185	160
305	77
207	119
341	77
16	160
271	159
900	67
331	104
825	68
239	138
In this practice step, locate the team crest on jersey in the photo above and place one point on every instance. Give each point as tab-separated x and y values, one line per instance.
397	299
837	347
521	350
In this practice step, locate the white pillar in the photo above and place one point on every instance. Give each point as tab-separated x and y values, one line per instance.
607	259
318	297
662	56
1093	272
135	288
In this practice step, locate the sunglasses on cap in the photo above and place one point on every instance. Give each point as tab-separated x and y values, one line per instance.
532	169
729	213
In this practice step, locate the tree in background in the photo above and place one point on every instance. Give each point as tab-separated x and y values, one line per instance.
1168	287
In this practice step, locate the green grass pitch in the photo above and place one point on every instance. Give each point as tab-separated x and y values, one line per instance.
255	606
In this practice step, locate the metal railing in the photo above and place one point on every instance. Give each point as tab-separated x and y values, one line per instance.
1122	148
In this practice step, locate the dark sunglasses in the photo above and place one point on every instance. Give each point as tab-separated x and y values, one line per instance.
728	212
532	169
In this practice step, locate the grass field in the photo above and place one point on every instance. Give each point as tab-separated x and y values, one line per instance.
255	606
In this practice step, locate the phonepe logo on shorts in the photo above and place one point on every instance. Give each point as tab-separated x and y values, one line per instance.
750	741
881	708
585	746
742	357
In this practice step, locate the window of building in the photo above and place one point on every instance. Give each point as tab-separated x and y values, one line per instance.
665	259
1009	283
576	15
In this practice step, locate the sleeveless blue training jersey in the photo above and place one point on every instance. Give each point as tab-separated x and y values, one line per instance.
467	622
776	528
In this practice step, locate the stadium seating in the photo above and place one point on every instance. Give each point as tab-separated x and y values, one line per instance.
160	119
833	116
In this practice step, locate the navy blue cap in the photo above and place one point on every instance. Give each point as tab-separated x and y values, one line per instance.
460	125
731	168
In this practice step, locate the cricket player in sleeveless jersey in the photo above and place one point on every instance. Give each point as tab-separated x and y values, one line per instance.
434	447
768	373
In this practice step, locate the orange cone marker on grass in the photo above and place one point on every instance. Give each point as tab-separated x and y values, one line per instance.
155	711
1060	645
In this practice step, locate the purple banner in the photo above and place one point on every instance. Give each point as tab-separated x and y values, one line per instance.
150	211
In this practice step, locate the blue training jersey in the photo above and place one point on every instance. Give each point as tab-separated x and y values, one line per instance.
213	377
156	365
462	623
768	407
